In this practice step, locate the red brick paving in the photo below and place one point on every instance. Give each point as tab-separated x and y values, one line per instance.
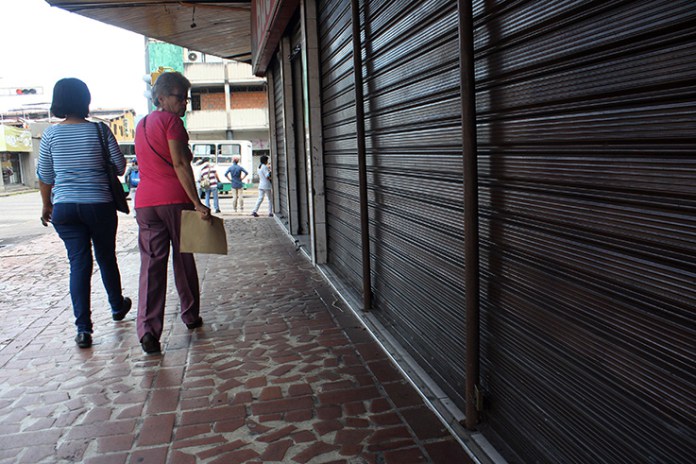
276	451
272	376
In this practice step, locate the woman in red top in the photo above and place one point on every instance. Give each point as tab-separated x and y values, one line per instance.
167	187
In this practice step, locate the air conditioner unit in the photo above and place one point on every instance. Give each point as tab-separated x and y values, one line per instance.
191	56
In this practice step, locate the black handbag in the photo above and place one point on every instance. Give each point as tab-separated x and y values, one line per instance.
117	191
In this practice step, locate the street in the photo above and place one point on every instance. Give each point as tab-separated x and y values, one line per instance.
19	218
20	213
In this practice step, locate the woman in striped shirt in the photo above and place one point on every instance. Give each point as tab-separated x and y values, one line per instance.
74	186
209	173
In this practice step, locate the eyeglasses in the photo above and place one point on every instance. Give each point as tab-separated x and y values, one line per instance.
181	98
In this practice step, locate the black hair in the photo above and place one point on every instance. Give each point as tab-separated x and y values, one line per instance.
264	160
71	97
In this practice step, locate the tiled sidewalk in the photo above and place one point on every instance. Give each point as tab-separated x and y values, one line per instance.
280	372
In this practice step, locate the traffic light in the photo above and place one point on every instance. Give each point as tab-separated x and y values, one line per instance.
14	91
157	72
28	91
151	78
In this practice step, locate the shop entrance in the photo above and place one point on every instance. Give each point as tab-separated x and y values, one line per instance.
11	169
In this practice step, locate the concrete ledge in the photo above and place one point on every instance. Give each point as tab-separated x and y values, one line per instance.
17	191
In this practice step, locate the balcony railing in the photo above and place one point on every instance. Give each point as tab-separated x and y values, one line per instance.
205	73
247	119
241	73
214	73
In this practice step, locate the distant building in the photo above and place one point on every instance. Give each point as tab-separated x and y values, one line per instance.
121	122
20	136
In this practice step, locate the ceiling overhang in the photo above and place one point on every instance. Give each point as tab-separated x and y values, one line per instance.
220	28
271	17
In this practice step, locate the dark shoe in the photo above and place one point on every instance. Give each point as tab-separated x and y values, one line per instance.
253	213
195	324
150	344
83	340
125	307
218	211
270	214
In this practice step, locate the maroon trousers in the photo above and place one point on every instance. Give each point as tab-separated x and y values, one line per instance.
159	228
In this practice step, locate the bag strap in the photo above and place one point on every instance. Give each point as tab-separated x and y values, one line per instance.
105	150
150	145
207	169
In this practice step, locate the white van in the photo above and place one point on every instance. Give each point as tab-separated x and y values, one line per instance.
220	153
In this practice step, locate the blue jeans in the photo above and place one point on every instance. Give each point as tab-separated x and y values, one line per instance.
216	202
81	225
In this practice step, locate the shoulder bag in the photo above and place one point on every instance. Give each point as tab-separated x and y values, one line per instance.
117	192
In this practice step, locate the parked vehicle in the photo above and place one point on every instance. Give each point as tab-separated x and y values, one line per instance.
128	150
220	153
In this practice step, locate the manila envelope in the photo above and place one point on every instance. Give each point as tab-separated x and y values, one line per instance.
200	236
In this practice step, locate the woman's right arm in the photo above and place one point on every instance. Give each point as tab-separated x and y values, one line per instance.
46	175
181	159
47	204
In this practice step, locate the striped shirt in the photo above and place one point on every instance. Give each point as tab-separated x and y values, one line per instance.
70	159
210	171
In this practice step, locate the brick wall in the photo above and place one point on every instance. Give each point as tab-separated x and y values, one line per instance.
213	101
238	100
248	100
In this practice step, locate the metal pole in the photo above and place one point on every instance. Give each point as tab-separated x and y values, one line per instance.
362	168
471	238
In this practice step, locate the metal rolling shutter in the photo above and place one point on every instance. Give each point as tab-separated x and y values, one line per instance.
340	147
587	158
413	138
281	169
299	169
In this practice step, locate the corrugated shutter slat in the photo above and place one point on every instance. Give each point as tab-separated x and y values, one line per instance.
586	131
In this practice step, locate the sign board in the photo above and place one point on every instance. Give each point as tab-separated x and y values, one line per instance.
13	139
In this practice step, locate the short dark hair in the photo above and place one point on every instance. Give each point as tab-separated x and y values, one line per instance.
264	159
71	97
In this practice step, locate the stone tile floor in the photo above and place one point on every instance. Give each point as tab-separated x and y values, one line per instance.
281	371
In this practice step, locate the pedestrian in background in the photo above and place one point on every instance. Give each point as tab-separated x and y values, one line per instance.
264	187
236	175
208	181
132	179
167	187
77	199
